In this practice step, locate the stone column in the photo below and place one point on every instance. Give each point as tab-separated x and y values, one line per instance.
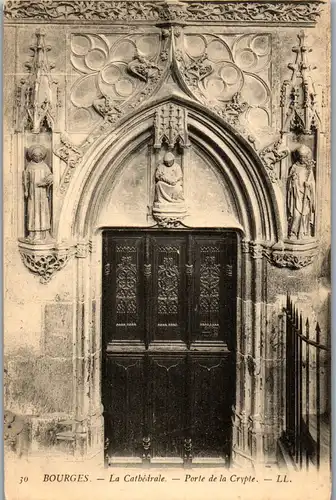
248	423
82	350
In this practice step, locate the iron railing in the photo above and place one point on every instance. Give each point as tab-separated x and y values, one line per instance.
305	412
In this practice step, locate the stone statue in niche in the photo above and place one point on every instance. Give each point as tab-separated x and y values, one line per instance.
301	195
169	203
37	180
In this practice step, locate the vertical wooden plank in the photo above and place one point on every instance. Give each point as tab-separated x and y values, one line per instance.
168	399
123	417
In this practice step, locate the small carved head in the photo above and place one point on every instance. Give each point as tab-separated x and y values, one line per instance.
169	159
303	154
36	153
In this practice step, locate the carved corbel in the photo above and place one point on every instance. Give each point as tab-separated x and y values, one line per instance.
292	256
290	260
44	260
288	254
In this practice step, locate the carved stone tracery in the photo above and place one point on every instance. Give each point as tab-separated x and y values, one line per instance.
123	85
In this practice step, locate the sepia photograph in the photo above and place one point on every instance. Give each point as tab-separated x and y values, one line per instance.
167	249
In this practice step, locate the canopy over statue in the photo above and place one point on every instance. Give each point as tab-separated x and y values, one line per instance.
169	199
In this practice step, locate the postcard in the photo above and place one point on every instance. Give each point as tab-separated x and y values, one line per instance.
167	248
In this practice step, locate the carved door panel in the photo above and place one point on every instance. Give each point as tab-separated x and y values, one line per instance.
169	312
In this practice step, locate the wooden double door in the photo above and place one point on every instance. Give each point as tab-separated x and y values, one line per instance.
169	329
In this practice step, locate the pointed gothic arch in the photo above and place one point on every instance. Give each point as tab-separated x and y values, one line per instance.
257	198
258	220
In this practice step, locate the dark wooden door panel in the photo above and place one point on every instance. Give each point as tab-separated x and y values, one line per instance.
123	404
169	312
211	406
168	402
123	312
214	294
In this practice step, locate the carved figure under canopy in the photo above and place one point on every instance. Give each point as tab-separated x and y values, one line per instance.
301	195
37	179
169	199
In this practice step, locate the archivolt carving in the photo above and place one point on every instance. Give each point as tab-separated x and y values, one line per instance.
273	154
71	155
277	12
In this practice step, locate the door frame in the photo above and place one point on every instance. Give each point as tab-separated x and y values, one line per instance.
261	223
251	316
